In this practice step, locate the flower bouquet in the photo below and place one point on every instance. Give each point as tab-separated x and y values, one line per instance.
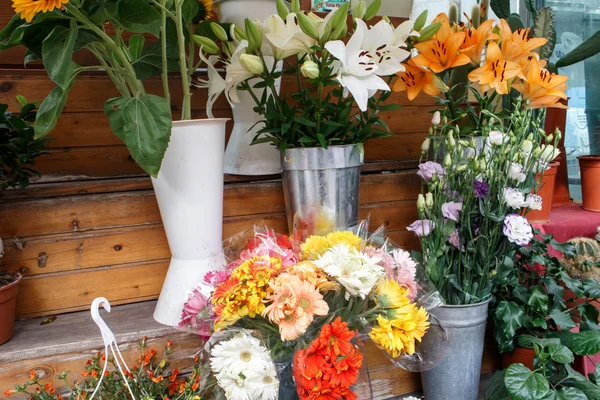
285	319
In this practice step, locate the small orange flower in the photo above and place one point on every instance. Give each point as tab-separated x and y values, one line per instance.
94	373
414	80
442	51
59	397
475	41
85	373
195	386
8	393
169	344
496	71
517	44
48	388
32	375
542	88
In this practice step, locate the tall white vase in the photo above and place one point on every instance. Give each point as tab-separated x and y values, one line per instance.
189	191
240	157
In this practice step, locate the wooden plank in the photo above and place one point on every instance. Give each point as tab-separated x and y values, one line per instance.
103	211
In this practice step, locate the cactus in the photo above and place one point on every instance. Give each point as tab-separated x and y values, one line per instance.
585	262
476	16
484	7
543	27
453	14
598	235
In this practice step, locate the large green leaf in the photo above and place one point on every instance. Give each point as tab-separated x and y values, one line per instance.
523	384
496	388
538	300
562	319
144	124
501	8
585	343
582	52
515	22
529	340
561	354
57	53
543	27
139	16
570	393
12	33
50	110
510	316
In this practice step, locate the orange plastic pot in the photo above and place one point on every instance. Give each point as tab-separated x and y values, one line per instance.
8	303
590	182
547	193
519	355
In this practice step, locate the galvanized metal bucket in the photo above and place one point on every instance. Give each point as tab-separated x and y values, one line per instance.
320	187
456	338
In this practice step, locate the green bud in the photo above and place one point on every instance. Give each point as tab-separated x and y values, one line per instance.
219	31
282	9
549	138
295	6
229	48
461	168
206	44
421	202
425	146
444	120
307	25
420	21
254	36
530	136
453	14
252	64
473	143
310	69
447	161
239	33
450	142
463	143
482	165
428	32
558	134
386	19
429	200
526	146
341	24
360	9
372	10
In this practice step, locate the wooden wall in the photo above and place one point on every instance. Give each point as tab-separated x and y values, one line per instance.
91	227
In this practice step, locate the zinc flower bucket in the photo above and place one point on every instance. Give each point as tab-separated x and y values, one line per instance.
189	191
321	187
590	182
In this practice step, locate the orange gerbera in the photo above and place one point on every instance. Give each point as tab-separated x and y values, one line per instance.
517	44
496	71
30	8
442	51
475	41
414	80
542	88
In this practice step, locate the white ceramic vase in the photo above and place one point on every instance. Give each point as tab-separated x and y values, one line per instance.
189	191
240	157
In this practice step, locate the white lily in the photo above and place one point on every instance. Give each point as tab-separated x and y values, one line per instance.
403	32
236	74
383	47
356	70
284	38
215	82
320	23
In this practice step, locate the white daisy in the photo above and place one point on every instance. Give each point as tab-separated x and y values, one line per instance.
234	385
262	383
238	354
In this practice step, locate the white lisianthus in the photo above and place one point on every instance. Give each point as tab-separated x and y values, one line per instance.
514	198
496	138
436	119
515	172
526	146
354	270
549	153
517	229
534	202
284	38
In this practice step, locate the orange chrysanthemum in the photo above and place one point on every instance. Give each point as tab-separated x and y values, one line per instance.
30	8
542	88
414	80
496	71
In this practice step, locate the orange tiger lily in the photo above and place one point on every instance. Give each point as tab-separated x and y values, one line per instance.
517	44
414	80
496	71
442	51
476	39
542	88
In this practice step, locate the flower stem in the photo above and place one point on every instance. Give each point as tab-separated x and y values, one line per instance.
186	108
163	43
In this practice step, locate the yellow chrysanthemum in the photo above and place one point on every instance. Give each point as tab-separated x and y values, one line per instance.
345	237
242	294
389	294
315	246
30	8
398	335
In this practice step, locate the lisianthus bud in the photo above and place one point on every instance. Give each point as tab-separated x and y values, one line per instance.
436	119
447	161
529	137
558	134
463	143
444	120
252	64
549	138
429	200
421	202
526	146
482	165
538	151
425	145
310	69
461	168
450	142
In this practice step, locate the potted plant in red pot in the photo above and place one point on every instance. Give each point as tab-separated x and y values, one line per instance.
9	287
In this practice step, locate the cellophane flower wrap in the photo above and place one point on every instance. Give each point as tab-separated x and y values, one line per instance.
303	310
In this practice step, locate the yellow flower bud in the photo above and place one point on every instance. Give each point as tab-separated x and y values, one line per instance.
252	64
310	69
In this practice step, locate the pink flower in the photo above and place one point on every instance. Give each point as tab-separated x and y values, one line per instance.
406	280
197	312
405	261
398	266
451	210
421	227
429	169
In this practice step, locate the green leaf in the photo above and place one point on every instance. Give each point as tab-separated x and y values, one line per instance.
585	343
538	300
570	393
12	33
574	284
139	16
144	124
428	32
591	287
529	340
515	22
50	110
561	354
523	384
136	45
22	100
496	388
57	53
372	10
563	320
585	50
543	27
189	10
390	107
501	8
510	315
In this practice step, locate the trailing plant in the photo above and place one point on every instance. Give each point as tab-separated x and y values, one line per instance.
19	149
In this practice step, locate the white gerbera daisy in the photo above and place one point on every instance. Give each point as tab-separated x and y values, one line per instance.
234	385
262	383
238	354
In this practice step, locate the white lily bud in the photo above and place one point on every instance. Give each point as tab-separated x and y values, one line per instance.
310	69
252	64
421	203
436	119
447	161
425	146
429	201
526	146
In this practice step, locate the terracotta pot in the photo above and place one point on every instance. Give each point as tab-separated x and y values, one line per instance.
8	303
590	182
519	355
547	193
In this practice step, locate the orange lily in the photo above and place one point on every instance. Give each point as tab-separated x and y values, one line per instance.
517	44
496	71
476	39
542	88
442	51
414	80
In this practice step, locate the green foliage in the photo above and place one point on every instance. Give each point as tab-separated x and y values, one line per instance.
585	50
501	8
18	147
